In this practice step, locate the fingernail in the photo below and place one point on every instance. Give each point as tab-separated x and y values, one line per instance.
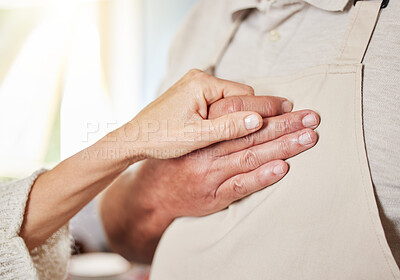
251	122
305	139
310	120
278	170
287	106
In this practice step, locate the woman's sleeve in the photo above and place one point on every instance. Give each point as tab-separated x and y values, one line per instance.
48	261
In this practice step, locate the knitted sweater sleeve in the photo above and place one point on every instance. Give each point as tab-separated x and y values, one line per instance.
48	261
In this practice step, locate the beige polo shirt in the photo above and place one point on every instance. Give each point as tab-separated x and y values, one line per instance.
281	37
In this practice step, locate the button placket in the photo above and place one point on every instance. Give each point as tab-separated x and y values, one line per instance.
274	35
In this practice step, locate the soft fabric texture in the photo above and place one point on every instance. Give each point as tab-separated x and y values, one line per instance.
48	261
319	222
283	37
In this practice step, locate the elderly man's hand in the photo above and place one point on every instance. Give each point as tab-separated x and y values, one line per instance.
141	204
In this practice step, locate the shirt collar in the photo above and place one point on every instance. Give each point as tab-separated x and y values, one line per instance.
328	5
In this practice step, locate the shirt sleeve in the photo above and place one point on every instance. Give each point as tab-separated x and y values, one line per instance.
48	261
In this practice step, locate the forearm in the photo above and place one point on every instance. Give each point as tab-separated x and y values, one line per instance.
132	219
60	193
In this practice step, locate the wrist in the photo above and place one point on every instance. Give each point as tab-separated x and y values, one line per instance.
132	220
126	142
123	217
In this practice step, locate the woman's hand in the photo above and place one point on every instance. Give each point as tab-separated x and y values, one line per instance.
177	122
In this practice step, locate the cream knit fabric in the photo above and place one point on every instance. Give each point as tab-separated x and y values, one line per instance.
48	261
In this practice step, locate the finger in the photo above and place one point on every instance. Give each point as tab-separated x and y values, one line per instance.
213	88
219	88
266	106
245	184
273	128
231	88
282	148
230	126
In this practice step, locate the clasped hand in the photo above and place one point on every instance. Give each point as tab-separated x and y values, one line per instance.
212	119
142	203
178	121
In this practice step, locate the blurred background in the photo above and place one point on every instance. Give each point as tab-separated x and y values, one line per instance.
73	70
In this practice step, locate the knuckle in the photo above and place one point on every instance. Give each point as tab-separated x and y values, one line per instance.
233	104
194	72
249	89
229	106
284	148
286	125
249	140
230	128
283	126
196	76
250	160
270	108
238	186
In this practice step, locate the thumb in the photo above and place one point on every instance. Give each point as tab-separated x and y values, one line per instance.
231	126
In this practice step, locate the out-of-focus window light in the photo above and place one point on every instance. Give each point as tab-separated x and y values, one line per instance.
83	55
34	37
72	70
103	76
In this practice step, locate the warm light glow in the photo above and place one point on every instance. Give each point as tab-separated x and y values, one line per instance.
28	92
62	60
100	61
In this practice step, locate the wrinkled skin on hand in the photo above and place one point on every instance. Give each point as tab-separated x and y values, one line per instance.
177	122
210	179
207	180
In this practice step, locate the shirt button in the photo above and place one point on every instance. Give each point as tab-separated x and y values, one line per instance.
274	35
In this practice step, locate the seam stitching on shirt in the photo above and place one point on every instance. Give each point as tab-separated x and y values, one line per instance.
350	30
363	175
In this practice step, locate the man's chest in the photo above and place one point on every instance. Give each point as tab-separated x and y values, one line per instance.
313	37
